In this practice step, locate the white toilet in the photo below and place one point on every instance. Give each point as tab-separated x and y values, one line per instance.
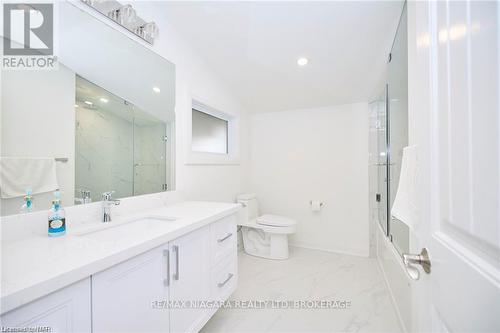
264	236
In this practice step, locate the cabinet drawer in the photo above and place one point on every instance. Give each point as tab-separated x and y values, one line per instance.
223	239
224	278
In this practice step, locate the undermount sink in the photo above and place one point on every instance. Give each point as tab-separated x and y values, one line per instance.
111	230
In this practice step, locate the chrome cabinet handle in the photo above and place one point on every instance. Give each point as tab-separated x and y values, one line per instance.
223	283
422	259
166	254
220	240
176	250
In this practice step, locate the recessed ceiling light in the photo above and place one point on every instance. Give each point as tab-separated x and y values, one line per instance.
88	102
76	105
156	90
104	100
302	61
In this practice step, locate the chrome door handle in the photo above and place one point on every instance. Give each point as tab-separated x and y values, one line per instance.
422	259
176	250
220	240
229	277
166	254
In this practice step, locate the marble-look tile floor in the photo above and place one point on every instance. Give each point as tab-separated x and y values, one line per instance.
309	275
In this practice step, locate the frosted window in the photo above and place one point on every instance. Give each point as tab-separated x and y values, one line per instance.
209	133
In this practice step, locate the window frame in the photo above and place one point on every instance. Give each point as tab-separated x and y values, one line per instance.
207	158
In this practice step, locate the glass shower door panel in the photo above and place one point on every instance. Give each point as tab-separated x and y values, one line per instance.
398	125
378	162
149	155
382	162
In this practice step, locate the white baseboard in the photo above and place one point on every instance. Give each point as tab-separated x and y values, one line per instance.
358	254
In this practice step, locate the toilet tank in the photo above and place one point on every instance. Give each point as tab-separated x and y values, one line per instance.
250	205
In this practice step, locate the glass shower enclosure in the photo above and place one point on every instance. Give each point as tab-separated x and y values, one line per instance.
378	160
119	147
388	137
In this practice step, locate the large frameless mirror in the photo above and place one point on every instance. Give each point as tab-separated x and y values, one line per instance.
118	146
102	120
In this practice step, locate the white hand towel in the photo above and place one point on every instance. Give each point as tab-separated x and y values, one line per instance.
18	174
405	206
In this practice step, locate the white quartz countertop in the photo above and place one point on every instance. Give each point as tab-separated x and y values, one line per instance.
35	266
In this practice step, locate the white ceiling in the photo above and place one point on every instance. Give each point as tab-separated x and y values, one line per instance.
253	48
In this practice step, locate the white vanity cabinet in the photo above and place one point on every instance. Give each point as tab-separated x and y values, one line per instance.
195	268
65	311
190	283
203	267
123	295
223	250
162	290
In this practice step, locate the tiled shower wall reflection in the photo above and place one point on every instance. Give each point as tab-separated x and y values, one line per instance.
119	153
149	161
104	153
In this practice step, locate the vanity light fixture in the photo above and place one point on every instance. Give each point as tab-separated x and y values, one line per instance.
147	31
123	15
104	100
92	2
126	16
302	61
156	90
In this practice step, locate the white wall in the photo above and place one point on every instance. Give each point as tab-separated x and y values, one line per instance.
40	132
195	80
315	154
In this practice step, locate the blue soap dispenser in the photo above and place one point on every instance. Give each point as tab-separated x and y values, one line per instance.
57	217
27	207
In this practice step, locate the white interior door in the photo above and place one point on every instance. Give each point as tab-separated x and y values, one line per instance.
454	108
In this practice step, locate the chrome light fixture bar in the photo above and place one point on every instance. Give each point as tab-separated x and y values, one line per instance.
126	16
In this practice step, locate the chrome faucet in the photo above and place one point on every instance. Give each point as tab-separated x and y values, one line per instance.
106	205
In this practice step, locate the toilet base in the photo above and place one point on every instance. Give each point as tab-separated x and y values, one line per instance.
258	243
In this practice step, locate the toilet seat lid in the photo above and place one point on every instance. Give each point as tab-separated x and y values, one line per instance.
275	221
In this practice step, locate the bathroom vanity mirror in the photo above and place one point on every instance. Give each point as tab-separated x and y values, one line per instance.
103	120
